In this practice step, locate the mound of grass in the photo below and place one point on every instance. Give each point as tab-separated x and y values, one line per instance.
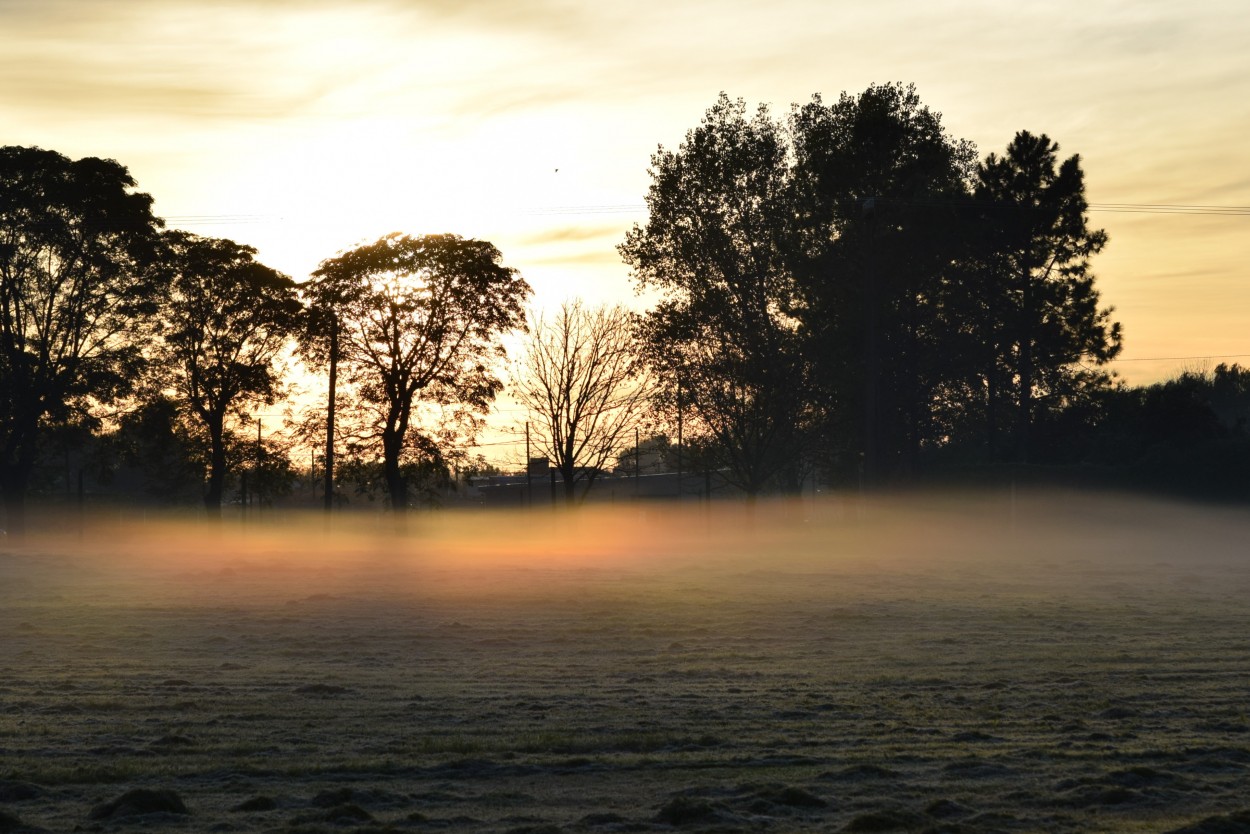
886	820
18	791
256	803
1236	823
140	801
687	810
10	823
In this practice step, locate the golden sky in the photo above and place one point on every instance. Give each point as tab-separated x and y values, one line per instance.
304	127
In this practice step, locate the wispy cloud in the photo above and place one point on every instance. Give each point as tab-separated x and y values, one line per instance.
423	113
594	257
575	234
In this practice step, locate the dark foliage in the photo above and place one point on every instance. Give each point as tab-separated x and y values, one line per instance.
853	288
77	293
225	321
418	321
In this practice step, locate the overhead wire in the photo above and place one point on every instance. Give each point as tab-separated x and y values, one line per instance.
1184	358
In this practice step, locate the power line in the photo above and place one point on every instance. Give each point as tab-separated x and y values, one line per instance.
1183	358
1133	208
638	208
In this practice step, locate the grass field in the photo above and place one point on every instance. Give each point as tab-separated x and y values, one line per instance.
957	664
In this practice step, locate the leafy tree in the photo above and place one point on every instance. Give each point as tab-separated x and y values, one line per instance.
856	285
419	321
1043	321
267	462
717	248
76	295
877	179
582	380
155	452
1185	435
226	320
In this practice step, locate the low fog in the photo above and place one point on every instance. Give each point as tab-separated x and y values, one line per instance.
972	543
1027	662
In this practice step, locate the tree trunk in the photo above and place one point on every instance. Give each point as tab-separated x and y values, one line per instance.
19	463
396	484
570	486
216	467
792	478
991	414
1024	416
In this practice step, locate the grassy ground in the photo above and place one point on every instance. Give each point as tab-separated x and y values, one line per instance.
1056	664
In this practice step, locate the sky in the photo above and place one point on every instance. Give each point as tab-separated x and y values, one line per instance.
305	127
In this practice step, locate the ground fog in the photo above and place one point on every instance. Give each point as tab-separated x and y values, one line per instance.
943	663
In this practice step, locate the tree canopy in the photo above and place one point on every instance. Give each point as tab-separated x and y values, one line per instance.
849	283
225	322
877	181
718	246
1042	324
77	293
419	321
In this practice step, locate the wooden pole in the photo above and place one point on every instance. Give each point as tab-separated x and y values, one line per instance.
679	440
334	376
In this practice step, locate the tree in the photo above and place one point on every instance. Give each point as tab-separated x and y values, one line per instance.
1043	317
582	380
319	345
836	286
76	296
717	246
878	181
225	322
419	321
155	453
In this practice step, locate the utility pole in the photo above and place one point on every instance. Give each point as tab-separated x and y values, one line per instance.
334	375
256	487
679	439
529	477
637	462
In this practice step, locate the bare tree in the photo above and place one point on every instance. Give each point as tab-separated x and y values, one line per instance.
584	385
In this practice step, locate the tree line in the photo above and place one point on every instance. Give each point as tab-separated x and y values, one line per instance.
851	284
847	294
163	340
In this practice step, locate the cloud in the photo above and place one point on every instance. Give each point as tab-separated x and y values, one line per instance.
143	59
606	257
575	234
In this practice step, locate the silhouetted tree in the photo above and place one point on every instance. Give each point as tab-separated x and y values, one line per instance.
584	384
420	320
1042	321
156	451
225	322
877	182
76	293
1186	435
319	345
717	247
855	285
